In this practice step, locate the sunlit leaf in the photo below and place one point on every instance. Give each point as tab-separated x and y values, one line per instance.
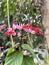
15	58
11	49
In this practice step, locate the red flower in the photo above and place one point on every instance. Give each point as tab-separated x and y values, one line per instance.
10	31
37	30
28	28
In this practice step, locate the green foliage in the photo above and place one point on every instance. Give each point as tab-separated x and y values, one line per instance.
12	7
28	13
28	61
12	48
8	43
15	58
28	48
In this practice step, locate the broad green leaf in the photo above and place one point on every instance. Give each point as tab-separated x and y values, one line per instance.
11	49
28	61
15	58
28	48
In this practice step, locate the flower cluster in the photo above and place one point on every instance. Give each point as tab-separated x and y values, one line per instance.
30	29
10	31
26	27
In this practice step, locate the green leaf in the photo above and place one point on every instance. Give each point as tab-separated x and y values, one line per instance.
28	61
15	58
11	49
28	48
8	43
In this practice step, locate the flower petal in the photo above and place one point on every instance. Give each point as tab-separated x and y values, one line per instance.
10	31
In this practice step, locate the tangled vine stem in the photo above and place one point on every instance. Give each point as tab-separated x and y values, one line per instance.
8	14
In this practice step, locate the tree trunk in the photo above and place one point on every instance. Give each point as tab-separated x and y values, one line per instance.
45	18
45	21
37	2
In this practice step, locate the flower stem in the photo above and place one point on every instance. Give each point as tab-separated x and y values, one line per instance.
30	42
8	14
12	40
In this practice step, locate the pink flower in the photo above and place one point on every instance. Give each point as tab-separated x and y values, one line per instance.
19	34
30	31
2	27
16	26
10	31
26	53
